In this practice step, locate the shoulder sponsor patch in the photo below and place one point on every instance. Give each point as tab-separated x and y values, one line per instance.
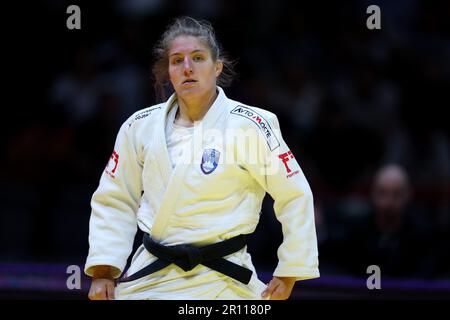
285	157
142	114
261	122
111	166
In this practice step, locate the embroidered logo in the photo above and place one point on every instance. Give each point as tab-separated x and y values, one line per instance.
111	167
210	160
285	157
261	122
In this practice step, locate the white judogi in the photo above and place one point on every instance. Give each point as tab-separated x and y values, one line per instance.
213	193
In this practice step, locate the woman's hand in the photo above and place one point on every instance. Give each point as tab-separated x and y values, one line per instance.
102	286
102	289
279	288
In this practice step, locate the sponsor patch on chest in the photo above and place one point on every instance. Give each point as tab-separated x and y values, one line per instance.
141	115
261	122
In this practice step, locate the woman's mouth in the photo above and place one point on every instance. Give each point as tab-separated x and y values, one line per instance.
189	81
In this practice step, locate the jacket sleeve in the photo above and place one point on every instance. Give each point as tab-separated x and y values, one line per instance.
278	172
113	222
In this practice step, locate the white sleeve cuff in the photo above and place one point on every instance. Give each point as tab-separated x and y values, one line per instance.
118	266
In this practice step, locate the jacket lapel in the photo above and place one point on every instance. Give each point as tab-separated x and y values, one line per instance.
173	179
162	154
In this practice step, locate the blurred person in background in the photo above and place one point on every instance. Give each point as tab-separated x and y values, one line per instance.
394	233
194	207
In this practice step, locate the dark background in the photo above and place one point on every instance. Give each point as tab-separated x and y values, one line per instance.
349	100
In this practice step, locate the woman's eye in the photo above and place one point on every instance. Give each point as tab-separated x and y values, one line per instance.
177	61
198	58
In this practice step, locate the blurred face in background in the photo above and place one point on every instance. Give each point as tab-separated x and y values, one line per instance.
192	71
391	191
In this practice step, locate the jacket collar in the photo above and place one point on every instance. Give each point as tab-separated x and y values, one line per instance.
213	113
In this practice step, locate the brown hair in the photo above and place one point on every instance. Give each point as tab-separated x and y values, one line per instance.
190	27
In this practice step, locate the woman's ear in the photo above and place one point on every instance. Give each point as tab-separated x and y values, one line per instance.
219	67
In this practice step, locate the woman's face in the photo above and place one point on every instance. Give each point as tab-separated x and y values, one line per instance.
192	70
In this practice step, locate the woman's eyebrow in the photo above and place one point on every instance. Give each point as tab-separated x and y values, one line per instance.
198	50
194	51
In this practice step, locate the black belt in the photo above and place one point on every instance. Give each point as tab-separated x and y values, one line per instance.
187	257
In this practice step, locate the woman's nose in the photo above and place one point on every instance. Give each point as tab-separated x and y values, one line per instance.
187	66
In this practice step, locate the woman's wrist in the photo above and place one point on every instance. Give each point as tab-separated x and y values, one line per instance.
288	280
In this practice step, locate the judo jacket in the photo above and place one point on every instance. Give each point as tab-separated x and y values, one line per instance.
236	156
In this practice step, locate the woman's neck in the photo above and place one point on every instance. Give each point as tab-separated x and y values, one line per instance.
192	110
